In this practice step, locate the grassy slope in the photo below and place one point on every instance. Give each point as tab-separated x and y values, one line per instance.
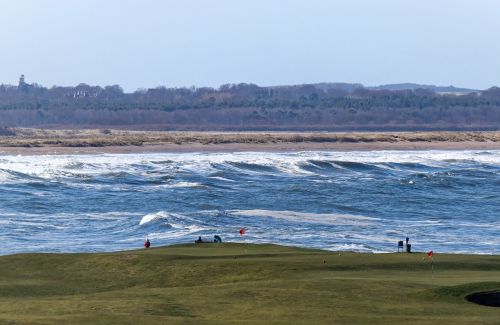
250	284
25	137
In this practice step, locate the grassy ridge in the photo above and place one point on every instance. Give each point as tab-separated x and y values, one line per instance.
23	137
243	283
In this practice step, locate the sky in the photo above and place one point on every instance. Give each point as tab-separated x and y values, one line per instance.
176	43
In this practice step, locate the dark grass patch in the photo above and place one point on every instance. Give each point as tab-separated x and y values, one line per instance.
466	289
490	299
462	293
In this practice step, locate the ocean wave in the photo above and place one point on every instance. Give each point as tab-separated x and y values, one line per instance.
322	218
175	220
353	165
181	185
174	226
353	248
220	178
333	200
78	165
253	167
124	165
162	215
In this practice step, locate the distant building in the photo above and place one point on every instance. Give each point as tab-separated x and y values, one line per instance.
22	86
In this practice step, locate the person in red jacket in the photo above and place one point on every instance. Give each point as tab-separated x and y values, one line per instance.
147	243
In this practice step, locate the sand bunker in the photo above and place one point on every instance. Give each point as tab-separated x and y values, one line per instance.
491	299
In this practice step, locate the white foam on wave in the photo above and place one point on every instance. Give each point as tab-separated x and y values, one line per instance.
221	178
184	184
51	166
322	218
4	177
175	220
153	188
350	248
153	216
109	215
181	226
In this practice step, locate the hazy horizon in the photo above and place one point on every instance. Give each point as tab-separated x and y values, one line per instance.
27	80
144	44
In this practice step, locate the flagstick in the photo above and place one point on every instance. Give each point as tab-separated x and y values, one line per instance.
431	256
432	268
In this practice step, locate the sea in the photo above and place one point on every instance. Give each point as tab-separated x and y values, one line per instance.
363	201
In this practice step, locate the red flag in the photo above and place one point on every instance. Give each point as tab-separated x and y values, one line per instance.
430	254
242	231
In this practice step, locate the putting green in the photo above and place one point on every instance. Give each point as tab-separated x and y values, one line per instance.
244	283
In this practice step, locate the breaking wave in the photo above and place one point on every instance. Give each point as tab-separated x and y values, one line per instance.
365	201
301	217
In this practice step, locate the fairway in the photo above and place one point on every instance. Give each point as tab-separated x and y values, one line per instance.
247	284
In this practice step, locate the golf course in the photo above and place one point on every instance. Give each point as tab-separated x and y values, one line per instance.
245	284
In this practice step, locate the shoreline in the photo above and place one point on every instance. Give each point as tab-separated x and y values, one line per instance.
209	244
237	147
60	142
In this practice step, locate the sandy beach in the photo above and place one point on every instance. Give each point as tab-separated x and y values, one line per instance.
45	142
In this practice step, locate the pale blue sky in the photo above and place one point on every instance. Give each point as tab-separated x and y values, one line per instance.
146	43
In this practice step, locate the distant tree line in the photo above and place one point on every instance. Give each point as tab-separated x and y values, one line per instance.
248	107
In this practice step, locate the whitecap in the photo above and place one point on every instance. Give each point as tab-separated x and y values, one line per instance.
323	218
153	216
221	178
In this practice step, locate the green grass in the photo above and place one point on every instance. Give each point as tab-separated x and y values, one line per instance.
247	284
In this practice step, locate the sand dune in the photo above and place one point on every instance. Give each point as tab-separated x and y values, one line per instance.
45	141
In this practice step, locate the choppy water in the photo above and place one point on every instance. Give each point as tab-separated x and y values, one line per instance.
448	201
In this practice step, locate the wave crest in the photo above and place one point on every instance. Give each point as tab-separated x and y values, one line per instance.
322	218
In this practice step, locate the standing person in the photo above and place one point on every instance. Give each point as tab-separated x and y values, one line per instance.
147	243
